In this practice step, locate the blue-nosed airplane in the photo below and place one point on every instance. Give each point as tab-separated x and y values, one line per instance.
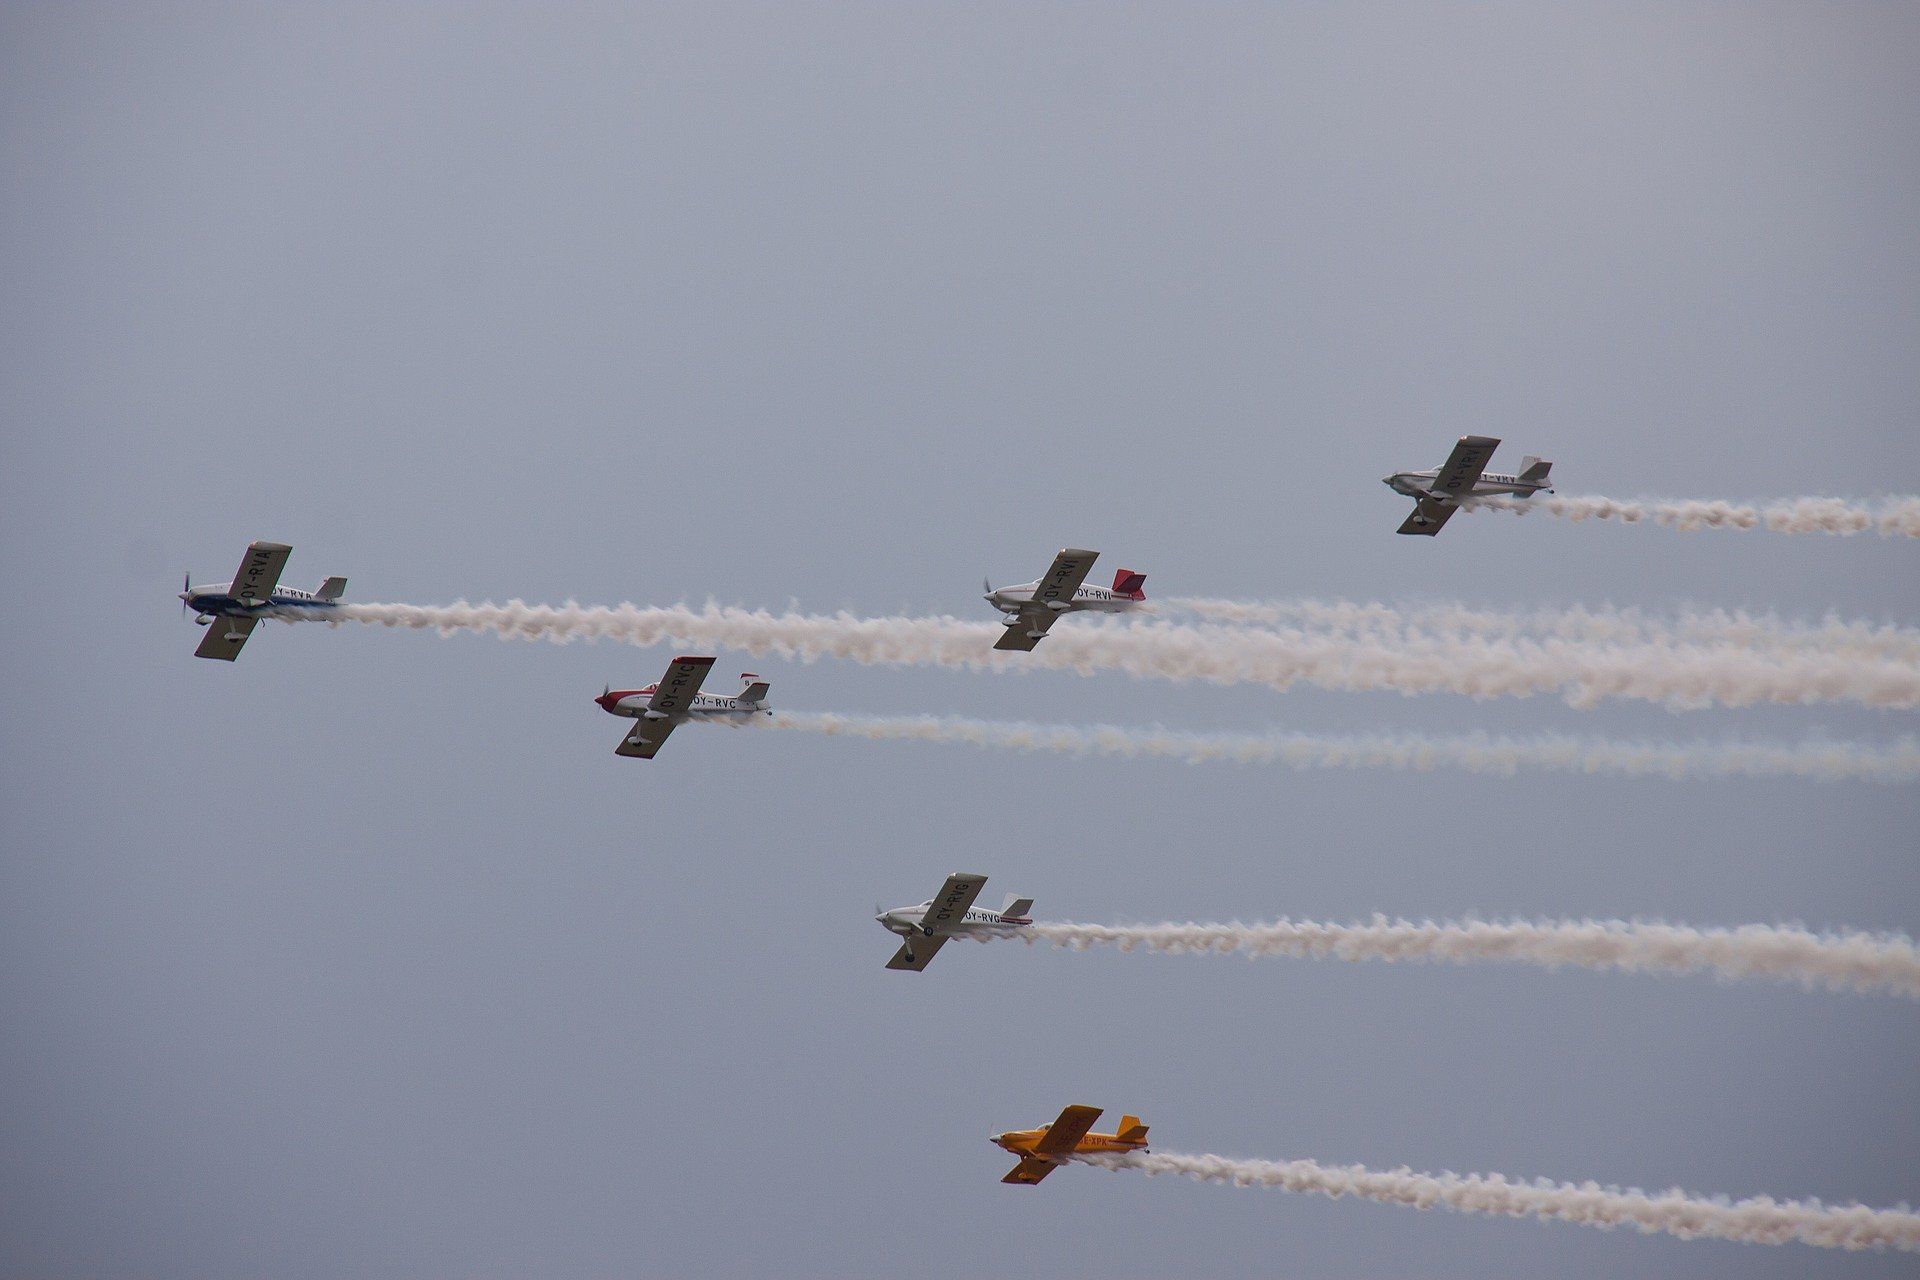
231	610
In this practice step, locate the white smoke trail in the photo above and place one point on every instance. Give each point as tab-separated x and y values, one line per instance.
1850	961
1475	753
1758	1220
1604	625
1679	676
1897	517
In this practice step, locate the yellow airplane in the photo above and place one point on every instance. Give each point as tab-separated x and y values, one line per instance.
1041	1151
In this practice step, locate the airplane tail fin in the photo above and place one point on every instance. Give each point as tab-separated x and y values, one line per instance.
1128	583
1533	470
1016	907
1131	1130
754	688
331	589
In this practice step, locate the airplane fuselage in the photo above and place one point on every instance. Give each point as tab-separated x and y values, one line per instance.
633	703
209	603
1021	1142
911	922
1011	600
1419	484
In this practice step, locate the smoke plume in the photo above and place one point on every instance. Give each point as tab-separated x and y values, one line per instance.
1850	961
1897	517
1604	625
1680	676
1758	1220
1898	762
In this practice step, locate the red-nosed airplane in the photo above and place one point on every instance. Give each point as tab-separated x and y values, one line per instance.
657	708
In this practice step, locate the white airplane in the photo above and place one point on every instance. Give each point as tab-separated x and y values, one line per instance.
255	591
1032	606
657	708
946	914
1438	493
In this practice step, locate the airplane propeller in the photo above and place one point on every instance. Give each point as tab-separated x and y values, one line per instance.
988	584
186	589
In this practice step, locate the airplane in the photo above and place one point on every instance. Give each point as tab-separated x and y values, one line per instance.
254	593
1033	606
657	708
1438	493
948	914
1041	1151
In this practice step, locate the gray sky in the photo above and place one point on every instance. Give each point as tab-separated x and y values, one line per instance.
366	957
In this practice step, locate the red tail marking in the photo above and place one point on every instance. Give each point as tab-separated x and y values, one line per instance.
1128	583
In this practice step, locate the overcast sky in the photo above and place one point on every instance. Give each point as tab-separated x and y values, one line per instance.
365	956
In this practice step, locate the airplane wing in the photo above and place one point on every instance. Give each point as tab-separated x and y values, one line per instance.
951	904
1064	576
923	950
677	688
1030	1171
224	638
1063	1135
260	571
1024	630
1427	517
1463	466
644	739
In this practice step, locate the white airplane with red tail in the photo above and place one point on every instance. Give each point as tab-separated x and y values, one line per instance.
1033	606
657	708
